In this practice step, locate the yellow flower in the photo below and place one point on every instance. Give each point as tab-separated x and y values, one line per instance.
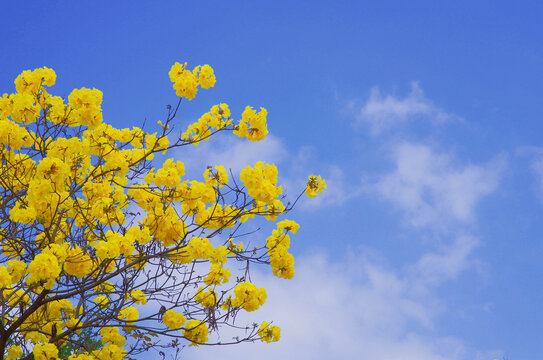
219	177
138	296
14	352
130	314
173	320
44	267
101	300
111	335
252	124
269	334
248	296
314	186
31	81
45	351
207	299
17	269
85	107
217	275
206	76
184	81
196	331
261	182
77	263
5	277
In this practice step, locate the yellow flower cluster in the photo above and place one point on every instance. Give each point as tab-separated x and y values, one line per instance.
169	175
185	82
14	297
282	262
248	296
26	215
138	296
217	216
269	333
14	352
196	331
83	207
200	248
261	182
17	171
217	275
252	124
45	351
104	203
216	119
269	210
315	185
44	267
114	246
21	107
195	196
85	107
32	82
102	301
111	335
130	314
173	320
208	299
216	178
140	235
14	136
165	225
48	190
106	352
17	269
78	263
5	277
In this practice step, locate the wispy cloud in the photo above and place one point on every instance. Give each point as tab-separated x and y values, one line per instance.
233	153
382	112
337	309
431	189
361	308
433	268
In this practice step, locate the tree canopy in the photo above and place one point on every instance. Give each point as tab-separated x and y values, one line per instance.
98	241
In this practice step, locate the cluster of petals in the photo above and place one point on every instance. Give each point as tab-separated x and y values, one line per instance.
261	182
315	185
196	331
173	319
269	333
252	124
248	296
185	82
281	261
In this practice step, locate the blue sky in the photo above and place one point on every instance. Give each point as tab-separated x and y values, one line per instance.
424	118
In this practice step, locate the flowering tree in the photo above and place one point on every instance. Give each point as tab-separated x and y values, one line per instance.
92	235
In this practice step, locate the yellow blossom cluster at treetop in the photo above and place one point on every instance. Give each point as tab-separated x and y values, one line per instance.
92	235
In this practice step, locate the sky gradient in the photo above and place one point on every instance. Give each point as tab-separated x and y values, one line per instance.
423	117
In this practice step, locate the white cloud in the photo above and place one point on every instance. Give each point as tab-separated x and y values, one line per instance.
432	190
232	152
347	310
382	112
235	154
447	263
